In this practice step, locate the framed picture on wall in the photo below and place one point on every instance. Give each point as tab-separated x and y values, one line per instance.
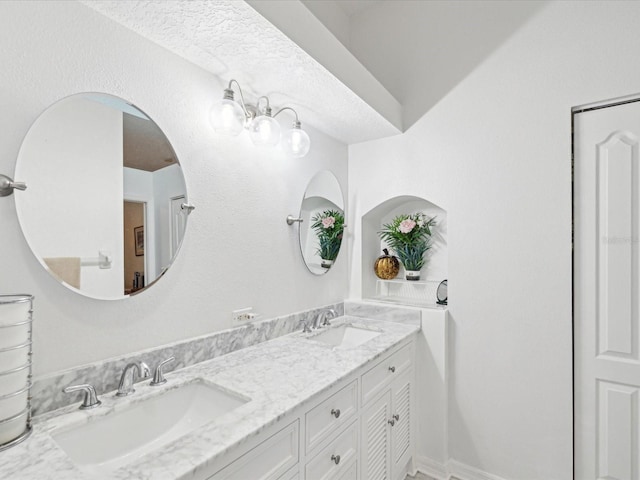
138	237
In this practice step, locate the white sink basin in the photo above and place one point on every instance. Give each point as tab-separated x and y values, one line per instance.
123	436
345	336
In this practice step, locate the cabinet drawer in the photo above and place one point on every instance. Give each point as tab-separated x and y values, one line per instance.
378	377
269	460
328	416
324	467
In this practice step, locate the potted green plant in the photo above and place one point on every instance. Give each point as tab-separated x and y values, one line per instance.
410	237
328	226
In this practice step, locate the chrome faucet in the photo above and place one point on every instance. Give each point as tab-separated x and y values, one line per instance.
127	379
90	399
322	319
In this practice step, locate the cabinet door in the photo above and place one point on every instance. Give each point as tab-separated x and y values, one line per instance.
375	444
292	474
268	461
401	392
350	473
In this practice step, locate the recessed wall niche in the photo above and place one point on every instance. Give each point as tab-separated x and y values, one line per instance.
419	293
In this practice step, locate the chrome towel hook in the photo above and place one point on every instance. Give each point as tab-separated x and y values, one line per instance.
187	207
7	185
291	220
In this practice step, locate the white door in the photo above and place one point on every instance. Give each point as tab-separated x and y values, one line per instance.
606	293
178	225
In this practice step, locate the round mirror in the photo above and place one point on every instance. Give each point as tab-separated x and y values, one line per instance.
441	293
105	206
322	214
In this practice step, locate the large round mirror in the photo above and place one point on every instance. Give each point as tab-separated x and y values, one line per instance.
105	206
322	215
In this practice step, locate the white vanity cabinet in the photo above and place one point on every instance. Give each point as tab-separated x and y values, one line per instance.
387	395
360	429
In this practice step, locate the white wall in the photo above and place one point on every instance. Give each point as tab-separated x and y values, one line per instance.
242	195
421	49
333	17
74	180
495	153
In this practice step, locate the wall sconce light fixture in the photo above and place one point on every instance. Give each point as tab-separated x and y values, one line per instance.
230	117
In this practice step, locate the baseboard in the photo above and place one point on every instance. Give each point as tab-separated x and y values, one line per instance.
453	469
432	468
465	472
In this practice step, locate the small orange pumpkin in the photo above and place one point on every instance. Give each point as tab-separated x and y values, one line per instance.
387	266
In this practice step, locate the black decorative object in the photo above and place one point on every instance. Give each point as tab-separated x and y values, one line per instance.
441	293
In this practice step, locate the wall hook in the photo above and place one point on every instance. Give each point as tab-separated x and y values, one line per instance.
291	220
188	207
7	185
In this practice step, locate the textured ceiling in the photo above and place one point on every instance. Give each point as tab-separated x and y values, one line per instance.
144	145
231	40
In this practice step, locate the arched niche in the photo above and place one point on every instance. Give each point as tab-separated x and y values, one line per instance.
435	269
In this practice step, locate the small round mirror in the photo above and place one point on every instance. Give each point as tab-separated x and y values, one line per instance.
105	208
441	294
322	214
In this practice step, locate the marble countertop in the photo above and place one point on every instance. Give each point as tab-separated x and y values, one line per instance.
278	376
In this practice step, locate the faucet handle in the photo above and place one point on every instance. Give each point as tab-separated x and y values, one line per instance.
90	398
305	326
158	376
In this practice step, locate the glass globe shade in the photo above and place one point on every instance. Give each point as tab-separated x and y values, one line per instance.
227	117
296	142
264	131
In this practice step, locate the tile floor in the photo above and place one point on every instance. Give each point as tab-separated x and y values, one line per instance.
422	476
419	476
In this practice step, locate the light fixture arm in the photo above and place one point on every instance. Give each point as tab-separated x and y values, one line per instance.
230	96
288	108
267	110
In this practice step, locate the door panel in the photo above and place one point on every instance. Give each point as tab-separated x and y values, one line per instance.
617	177
617	430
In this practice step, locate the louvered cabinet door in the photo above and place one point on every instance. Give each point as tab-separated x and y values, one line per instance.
401	429
376	464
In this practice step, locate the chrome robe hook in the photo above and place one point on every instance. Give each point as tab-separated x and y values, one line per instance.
7	185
